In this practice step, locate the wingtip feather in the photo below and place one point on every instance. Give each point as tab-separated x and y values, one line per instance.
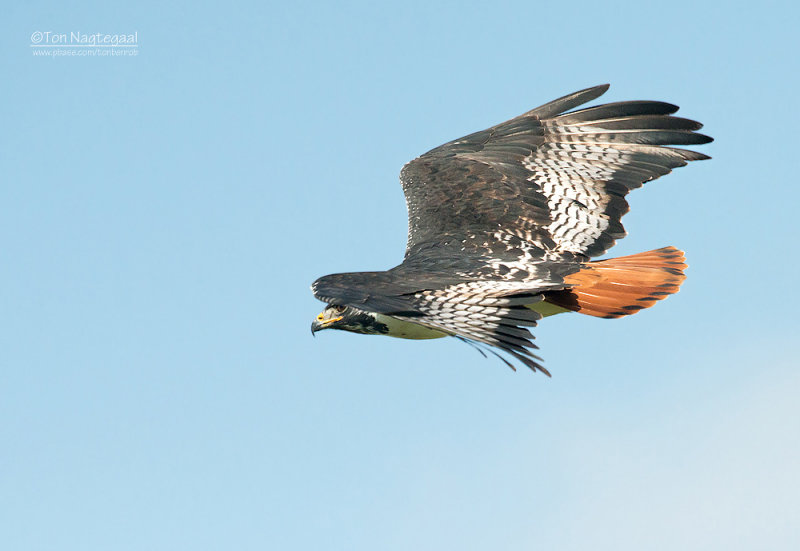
570	101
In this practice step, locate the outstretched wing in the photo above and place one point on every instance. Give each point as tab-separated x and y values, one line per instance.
489	314
552	181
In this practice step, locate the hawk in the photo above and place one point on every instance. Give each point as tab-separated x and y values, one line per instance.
502	225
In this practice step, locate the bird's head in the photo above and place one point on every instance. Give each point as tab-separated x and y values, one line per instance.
347	318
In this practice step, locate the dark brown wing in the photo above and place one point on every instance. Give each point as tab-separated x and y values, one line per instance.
552	180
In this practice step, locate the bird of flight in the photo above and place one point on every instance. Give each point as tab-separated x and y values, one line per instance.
502	225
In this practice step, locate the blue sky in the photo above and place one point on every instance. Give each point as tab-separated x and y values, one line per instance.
163	214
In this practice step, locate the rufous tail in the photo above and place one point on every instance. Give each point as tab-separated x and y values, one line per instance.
622	286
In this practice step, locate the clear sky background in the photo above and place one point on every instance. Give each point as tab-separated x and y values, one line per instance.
162	216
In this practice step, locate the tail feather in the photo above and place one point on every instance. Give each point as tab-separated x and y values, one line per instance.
622	286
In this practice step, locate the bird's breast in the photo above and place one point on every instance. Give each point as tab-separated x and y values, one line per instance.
407	329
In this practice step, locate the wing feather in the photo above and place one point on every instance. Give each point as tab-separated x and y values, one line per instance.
555	178
620	109
570	101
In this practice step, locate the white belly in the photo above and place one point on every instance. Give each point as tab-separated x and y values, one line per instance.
408	330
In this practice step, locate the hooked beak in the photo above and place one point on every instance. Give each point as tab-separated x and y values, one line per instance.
321	323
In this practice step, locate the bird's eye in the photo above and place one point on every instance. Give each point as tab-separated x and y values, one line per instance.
338	309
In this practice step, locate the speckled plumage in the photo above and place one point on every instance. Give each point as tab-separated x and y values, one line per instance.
498	217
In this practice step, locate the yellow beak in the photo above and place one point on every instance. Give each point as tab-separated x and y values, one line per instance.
322	323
